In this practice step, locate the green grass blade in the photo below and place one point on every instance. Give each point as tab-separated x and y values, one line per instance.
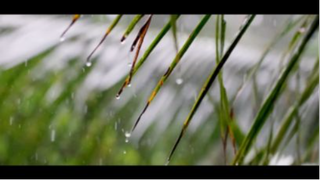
288	27
293	111
294	40
267	106
224	102
146	54
210	80
174	63
113	24
173	20
133	23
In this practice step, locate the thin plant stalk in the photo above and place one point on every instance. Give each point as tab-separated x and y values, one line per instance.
113	24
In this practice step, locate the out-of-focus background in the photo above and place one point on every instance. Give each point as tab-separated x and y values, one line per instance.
56	110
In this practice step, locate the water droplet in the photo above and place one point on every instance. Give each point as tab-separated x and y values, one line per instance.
123	42
124	152
179	81
302	30
118	96
129	85
167	163
53	135
129	64
127	140
88	64
127	134
274	22
62	39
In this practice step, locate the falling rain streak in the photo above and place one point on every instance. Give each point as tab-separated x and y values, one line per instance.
53	135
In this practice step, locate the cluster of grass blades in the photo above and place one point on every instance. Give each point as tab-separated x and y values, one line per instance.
267	106
227	126
87	150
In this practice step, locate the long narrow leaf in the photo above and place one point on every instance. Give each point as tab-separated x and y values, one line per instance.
113	24
141	39
133	23
74	20
210	80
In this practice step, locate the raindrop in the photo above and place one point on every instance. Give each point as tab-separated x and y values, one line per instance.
302	30
124	152
129	85
62	39
274	22
129	64
88	64
127	134
127	140
118	97
179	81
167	163
123	42
53	135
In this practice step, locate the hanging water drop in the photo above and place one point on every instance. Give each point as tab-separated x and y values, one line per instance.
127	134
129	64
123	42
167	163
88	64
117	96
129	85
62	38
179	81
127	140
124	152
302	30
